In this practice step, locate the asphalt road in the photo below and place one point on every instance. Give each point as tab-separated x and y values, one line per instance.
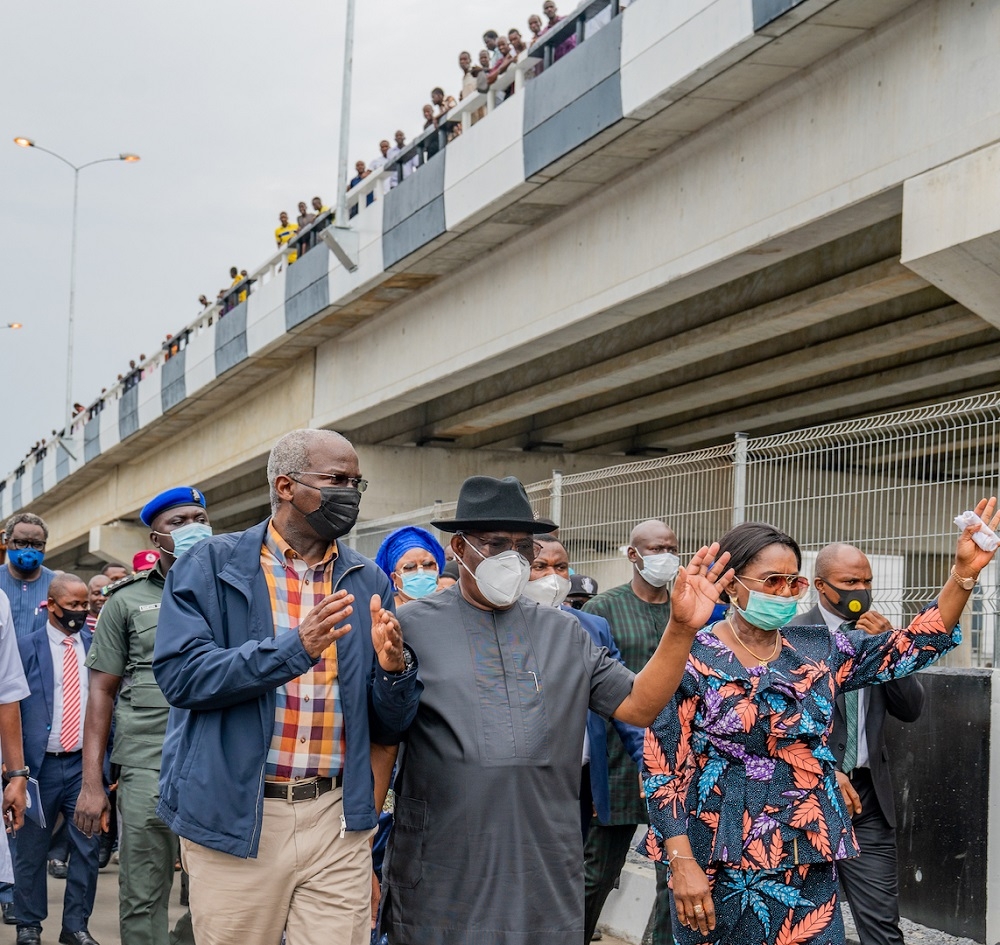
104	921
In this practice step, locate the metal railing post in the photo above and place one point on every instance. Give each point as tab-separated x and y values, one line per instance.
555	506
740	479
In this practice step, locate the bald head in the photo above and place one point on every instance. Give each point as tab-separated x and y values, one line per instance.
64	583
654	536
843	580
68	603
837	556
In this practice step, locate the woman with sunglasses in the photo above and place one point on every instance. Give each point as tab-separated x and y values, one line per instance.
739	779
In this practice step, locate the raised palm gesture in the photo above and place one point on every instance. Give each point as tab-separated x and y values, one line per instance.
696	589
387	638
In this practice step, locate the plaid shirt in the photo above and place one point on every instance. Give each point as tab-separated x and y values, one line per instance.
636	627
308	735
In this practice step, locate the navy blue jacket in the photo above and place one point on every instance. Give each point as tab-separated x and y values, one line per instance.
600	633
36	710
218	662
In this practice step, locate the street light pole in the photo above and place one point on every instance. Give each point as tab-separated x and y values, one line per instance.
128	158
345	117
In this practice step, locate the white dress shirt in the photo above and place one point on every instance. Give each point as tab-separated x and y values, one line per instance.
835	622
57	648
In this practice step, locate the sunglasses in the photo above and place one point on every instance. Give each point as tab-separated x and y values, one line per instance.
773	582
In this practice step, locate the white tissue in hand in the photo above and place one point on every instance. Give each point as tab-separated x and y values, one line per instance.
986	538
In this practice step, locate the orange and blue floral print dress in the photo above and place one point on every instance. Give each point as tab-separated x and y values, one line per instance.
738	761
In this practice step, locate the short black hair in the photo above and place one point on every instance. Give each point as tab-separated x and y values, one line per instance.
490	34
748	539
111	565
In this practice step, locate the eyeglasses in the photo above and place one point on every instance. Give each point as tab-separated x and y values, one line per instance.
773	582
23	544
339	480
412	568
497	546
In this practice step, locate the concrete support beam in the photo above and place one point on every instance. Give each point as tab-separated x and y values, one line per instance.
118	541
856	290
838	399
951	230
883	341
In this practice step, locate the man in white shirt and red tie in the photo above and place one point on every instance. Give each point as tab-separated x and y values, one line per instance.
52	724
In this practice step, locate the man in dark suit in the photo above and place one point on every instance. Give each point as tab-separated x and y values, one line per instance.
843	581
52	718
550	584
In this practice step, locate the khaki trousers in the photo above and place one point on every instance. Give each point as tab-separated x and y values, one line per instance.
306	881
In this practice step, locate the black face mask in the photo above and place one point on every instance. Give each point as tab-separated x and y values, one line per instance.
337	512
852	604
72	620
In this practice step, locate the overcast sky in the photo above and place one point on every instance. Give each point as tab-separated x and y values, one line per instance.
234	108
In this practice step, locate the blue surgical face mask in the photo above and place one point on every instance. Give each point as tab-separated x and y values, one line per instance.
187	536
768	611
26	559
420	584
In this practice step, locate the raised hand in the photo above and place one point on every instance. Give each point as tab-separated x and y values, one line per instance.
387	638
970	559
696	589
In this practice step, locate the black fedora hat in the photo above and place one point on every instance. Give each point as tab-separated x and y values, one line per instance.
486	504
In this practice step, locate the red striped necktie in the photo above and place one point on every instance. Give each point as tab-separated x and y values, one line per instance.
69	734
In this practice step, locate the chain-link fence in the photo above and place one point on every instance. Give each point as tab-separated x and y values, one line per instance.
890	484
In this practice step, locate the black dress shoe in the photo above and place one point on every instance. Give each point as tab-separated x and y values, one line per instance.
83	937
29	935
8	913
58	868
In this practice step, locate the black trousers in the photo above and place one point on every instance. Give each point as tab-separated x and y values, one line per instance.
870	881
603	858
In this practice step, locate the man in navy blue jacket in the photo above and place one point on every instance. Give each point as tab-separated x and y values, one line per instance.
276	700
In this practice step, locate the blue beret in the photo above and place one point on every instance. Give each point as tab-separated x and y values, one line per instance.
179	495
397	543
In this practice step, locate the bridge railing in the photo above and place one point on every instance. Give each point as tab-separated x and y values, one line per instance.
890	484
588	16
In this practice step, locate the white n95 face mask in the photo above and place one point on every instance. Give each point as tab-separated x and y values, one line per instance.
658	570
549	591
501	579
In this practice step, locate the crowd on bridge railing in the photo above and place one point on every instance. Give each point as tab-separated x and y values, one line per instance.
503	65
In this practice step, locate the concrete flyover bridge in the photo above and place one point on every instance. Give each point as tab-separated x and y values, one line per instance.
711	216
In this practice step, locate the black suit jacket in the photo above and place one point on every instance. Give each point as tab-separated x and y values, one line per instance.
902	699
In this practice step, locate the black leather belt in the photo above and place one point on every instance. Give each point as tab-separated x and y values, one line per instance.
63	754
304	789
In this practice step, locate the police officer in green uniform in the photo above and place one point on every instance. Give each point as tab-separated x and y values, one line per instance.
121	665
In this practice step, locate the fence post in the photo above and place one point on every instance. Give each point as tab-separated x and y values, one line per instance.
555	507
740	479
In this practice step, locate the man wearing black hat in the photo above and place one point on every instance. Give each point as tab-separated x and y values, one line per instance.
486	845
121	661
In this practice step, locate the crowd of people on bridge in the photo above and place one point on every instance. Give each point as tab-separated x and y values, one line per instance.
456	743
498	54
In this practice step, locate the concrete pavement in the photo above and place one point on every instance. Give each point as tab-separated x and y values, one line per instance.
104	921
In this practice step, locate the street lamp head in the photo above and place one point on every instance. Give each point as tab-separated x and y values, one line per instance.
128	157
13	325
24	142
